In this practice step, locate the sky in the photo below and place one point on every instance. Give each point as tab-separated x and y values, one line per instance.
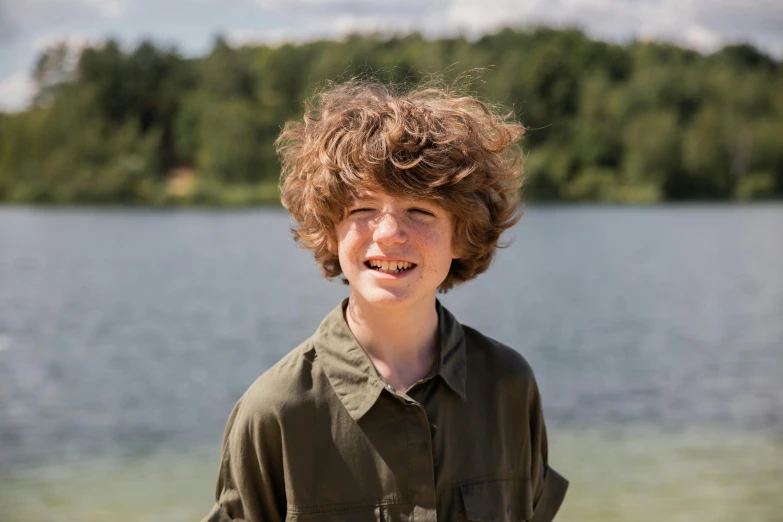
29	26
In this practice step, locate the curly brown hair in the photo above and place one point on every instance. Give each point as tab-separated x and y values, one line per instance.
426	143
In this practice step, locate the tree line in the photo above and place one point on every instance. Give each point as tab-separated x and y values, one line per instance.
636	123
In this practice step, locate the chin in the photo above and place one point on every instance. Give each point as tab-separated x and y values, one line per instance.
386	297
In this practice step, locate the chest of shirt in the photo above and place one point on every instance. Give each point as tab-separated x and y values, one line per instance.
428	455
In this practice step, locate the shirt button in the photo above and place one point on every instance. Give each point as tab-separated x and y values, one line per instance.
389	387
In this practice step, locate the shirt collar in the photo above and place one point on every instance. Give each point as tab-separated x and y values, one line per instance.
353	376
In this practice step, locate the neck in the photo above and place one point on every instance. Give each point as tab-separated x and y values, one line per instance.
400	342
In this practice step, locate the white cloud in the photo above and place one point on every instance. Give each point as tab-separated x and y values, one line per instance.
106	8
695	23
700	37
103	8
363	8
330	19
16	91
704	25
19	16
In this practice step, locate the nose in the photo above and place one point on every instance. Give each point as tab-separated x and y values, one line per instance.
388	229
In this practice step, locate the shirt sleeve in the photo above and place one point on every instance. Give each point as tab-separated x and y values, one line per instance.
250	485
549	487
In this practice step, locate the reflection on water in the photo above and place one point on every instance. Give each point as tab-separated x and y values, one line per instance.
646	475
127	335
623	475
161	487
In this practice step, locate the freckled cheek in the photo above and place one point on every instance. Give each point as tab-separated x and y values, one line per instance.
352	243
436	249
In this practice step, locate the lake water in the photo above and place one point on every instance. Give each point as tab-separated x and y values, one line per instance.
656	334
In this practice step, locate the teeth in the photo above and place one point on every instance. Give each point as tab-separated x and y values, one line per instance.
390	266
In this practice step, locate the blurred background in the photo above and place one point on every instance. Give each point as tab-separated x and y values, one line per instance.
147	274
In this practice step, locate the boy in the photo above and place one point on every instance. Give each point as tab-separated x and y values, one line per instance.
394	411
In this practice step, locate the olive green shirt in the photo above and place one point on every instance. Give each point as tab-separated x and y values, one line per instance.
321	437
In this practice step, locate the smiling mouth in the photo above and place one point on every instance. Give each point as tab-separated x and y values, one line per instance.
389	267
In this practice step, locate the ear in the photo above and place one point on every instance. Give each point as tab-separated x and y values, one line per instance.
331	244
456	251
456	243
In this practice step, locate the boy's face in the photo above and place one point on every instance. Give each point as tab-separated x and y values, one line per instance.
394	251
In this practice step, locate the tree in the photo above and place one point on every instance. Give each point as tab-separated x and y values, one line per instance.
53	69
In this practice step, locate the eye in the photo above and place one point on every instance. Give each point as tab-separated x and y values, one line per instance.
358	211
422	211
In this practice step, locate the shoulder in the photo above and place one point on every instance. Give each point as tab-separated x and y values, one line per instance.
286	384
495	359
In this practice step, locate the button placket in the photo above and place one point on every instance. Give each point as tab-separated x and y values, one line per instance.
420	463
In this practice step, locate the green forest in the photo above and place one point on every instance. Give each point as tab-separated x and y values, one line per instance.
644	122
